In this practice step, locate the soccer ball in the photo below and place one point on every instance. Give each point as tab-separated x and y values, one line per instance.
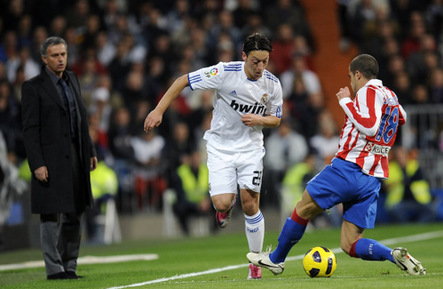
319	262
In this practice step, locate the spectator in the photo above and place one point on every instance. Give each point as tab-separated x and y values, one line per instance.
436	86
58	25
344	24
244	9
119	138
191	185
325	141
9	48
178	146
283	47
78	15
299	68
294	183
254	24
291	12
416	31
101	107
149	182
23	59
402	86
9	116
104	185
284	148
120	66
408	194
177	15
24	31
105	49
418	64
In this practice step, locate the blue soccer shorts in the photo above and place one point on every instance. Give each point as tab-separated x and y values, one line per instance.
344	182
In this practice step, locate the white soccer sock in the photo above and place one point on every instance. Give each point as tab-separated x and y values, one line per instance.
255	231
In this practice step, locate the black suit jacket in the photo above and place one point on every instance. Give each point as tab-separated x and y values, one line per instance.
47	138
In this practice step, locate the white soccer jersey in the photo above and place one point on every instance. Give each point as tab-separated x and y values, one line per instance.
234	96
371	124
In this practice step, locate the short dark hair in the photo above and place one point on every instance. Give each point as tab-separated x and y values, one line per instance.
53	40
256	41
366	64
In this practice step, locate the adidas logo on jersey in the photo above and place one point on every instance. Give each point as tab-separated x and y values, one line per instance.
257	108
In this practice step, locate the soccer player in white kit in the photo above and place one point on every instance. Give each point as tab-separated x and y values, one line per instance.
247	98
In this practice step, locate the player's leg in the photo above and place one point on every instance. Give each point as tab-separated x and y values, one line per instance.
361	214
291	233
254	220
222	184
254	227
322	192
249	169
224	205
354	245
295	227
223	202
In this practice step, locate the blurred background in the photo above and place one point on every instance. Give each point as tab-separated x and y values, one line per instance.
127	53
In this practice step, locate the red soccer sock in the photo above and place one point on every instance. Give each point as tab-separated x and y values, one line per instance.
299	220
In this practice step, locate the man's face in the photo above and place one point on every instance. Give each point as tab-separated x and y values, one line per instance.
353	80
255	63
56	59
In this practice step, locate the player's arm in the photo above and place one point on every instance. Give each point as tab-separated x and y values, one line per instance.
155	117
368	116
265	121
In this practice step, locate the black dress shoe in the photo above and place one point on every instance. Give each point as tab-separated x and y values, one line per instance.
72	275
58	276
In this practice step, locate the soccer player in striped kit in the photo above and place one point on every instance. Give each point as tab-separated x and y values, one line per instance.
354	176
247	98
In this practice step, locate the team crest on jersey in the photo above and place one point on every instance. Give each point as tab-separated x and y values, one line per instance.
264	98
212	72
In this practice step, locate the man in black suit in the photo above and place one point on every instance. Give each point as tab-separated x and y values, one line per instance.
61	155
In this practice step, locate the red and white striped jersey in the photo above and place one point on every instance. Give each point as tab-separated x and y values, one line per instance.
370	128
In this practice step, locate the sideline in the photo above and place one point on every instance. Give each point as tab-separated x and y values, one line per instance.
85	260
412	238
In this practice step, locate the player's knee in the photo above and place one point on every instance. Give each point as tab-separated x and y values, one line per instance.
222	204
250	208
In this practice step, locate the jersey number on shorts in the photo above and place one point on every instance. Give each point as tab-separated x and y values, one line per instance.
257	179
388	125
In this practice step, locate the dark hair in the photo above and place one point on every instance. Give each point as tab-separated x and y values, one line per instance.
366	64
53	40
256	41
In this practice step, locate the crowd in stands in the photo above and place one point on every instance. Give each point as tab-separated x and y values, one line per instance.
126	53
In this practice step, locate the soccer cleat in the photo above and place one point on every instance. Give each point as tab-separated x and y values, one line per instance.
254	272
406	262
262	260
224	218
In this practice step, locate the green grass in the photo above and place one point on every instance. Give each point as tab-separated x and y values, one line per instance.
184	256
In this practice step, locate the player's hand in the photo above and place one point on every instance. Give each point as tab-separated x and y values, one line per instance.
93	163
42	174
343	93
154	119
250	119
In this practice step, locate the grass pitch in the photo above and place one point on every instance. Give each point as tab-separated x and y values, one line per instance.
219	261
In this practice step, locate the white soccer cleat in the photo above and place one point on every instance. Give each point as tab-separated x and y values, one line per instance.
406	262
254	272
262	260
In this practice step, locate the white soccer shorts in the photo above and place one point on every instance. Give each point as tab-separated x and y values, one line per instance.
229	169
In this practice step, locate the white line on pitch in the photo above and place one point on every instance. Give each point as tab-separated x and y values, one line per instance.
412	238
85	260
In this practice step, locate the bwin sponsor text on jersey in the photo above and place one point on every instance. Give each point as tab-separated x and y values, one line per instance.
257	108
